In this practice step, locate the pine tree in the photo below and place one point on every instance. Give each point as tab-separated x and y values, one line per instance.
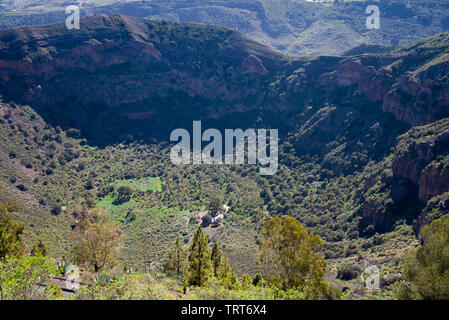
216	259
227	275
200	266
246	283
176	260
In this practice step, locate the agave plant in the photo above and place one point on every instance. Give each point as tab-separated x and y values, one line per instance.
101	279
64	267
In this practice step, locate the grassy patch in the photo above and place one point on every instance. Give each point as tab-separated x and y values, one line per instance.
143	184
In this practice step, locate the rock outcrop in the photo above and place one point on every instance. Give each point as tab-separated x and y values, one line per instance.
420	97
253	64
422	157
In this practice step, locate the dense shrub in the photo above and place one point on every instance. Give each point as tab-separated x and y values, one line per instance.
21	187
348	271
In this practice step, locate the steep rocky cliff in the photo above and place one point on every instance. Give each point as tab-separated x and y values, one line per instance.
422	158
130	70
117	64
415	179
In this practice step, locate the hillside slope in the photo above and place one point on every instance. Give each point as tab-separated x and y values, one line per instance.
363	137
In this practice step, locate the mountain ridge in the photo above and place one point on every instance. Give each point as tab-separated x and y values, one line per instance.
219	71
278	24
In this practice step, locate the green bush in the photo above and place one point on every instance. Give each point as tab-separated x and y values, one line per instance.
23	278
348	271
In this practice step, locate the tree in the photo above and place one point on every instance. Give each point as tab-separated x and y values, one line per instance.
200	266
289	259
426	269
258	281
124	193
90	202
85	217
246	283
176	261
206	220
99	240
11	243
215	205
348	271
216	259
227	275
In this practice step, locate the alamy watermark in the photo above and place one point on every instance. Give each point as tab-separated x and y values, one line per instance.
371	276
72	21
73	277
373	20
212	153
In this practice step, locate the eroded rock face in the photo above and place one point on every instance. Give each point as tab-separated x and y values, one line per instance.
370	82
423	160
416	177
411	163
420	97
131	69
434	180
87	56
374	216
122	88
417	97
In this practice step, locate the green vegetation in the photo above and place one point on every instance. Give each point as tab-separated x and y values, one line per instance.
215	205
355	184
21	278
348	272
10	231
143	184
39	249
289	257
124	193
99	239
196	274
176	261
200	268
426	269
216	257
327	205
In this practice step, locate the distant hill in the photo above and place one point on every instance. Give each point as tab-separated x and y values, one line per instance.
295	27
